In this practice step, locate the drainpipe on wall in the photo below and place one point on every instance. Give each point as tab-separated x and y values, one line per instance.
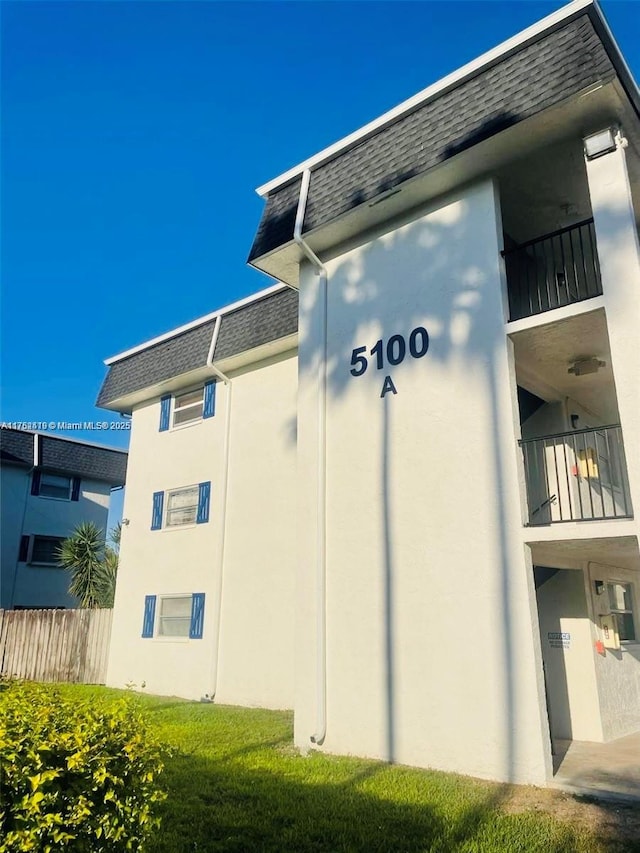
223	511
321	602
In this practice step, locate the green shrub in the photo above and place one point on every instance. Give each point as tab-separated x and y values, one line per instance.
78	776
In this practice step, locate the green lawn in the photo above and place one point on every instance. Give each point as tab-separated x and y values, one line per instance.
236	783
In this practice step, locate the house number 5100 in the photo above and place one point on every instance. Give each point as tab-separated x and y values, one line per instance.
395	351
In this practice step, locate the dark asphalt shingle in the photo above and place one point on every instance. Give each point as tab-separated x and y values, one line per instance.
538	76
268	319
64	455
84	460
271	318
158	363
16	446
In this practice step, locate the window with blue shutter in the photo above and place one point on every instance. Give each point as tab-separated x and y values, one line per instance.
149	615
75	489
156	515
165	412
209	408
197	616
35	483
204	495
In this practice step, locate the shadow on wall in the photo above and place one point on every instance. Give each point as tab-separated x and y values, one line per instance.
454	295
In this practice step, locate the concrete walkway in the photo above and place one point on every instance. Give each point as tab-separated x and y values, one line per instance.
599	769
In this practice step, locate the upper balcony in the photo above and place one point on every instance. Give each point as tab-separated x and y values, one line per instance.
550	249
554	270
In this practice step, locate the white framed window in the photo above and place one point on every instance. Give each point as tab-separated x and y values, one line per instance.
44	550
621	607
188	408
55	486
174	616
181	506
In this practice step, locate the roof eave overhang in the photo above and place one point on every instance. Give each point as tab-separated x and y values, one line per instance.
128	402
580	114
546	26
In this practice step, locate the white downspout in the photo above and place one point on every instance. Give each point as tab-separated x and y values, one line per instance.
321	602
223	510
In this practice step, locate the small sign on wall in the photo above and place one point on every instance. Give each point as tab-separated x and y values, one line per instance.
610	636
559	639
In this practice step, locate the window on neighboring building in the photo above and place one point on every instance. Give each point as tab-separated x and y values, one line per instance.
55	486
188	407
621	606
44	551
182	506
62	487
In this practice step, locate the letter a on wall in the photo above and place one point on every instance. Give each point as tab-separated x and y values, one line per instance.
387	386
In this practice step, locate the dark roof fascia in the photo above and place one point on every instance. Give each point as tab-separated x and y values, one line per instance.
90	461
66	455
16	447
586	10
241	328
603	33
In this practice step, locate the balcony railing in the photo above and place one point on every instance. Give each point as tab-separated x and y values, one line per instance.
577	476
554	270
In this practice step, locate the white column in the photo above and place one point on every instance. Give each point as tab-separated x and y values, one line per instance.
619	255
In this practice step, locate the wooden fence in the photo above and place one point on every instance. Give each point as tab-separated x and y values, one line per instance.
55	645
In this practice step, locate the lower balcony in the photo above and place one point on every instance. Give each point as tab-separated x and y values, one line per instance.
579	475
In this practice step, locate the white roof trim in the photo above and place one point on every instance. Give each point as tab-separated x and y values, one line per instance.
455	77
192	325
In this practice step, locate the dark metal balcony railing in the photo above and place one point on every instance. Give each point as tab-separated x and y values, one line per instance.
577	476
554	270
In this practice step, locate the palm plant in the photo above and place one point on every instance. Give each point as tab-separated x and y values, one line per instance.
92	563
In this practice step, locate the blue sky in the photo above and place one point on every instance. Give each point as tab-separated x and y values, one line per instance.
135	133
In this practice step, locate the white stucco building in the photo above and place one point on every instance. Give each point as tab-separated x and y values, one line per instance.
48	486
399	490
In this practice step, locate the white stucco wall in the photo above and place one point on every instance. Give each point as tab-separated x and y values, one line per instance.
256	585
35	515
567	648
432	652
619	255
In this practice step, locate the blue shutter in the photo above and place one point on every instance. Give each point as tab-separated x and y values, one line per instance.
156	516
35	483
149	615
204	493
197	616
75	489
209	408
165	412
23	554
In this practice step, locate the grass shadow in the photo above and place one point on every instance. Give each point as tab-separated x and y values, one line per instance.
246	805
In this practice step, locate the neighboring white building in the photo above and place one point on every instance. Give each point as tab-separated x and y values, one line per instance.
48	486
445	415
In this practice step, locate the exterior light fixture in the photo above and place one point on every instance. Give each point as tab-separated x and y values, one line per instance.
602	142
586	365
